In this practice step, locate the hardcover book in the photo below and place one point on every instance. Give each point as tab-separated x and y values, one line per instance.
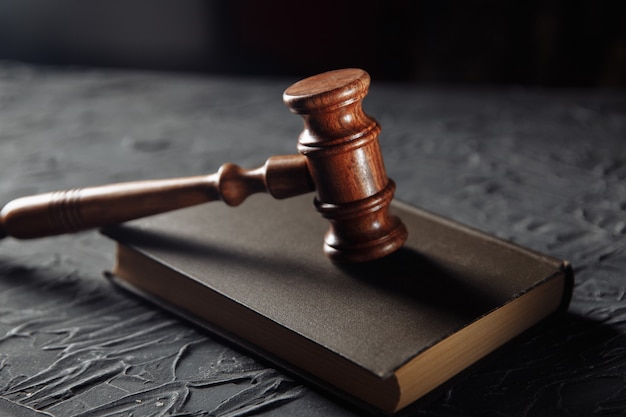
384	333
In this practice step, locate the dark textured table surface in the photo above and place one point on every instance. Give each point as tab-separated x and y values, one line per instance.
546	169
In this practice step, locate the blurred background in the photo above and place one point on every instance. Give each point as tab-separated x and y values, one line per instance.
553	43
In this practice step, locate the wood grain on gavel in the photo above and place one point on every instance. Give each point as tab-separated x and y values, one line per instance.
339	157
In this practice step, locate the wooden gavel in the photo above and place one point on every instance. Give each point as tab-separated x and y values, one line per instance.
339	157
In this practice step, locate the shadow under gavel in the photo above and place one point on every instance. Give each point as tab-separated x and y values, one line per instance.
339	158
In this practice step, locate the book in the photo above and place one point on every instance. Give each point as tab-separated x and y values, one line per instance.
384	333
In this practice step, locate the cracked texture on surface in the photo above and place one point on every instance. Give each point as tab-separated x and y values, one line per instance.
545	169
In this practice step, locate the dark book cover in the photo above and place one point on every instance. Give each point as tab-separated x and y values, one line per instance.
449	297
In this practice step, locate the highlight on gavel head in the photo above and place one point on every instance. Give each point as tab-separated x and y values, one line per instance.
344	159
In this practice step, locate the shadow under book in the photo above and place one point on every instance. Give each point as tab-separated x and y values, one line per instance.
385	333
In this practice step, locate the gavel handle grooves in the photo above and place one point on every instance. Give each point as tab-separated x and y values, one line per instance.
85	208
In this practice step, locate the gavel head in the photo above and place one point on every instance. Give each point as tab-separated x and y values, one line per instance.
343	155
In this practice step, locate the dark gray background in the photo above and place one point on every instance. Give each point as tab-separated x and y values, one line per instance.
531	42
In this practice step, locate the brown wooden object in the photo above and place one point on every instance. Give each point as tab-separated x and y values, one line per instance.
341	144
340	157
85	208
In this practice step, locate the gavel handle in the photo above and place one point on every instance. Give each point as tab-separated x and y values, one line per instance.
85	208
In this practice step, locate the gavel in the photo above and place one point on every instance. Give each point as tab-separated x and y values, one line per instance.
339	158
